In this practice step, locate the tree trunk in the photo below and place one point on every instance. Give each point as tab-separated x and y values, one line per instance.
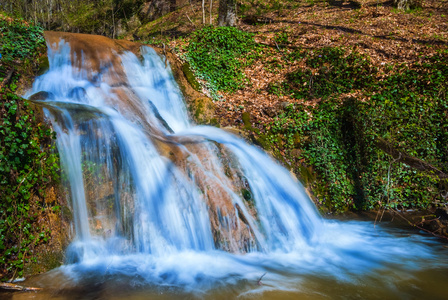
211	8
203	11
227	13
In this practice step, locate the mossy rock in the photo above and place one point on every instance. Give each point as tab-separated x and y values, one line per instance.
44	261
190	77
246	120
246	194
66	213
203	111
214	122
263	141
41	96
44	65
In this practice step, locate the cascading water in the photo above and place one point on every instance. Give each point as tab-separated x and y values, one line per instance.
158	201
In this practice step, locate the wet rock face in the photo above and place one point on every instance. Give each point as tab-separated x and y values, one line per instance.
97	57
77	93
93	50
41	96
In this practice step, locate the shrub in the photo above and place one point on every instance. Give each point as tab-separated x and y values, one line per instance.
216	54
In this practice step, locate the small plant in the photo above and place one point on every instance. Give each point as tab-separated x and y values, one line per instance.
282	38
216	55
19	39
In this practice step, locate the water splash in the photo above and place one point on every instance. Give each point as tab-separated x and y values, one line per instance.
158	201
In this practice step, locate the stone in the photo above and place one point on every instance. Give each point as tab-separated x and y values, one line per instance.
41	96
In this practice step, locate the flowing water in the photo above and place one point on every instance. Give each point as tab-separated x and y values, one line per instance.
165	209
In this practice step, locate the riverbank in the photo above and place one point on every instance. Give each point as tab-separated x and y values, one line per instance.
33	214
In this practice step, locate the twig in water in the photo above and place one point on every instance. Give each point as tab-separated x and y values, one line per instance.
259	280
376	218
419	227
15	287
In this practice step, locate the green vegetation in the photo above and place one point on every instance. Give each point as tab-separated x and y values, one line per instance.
387	151
18	40
103	17
28	162
216	55
186	69
329	70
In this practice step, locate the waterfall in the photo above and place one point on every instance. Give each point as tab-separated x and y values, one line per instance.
162	201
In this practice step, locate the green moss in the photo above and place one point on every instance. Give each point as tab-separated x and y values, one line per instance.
246	120
190	77
67	213
307	174
246	194
214	122
199	110
202	110
43	262
44	65
263	141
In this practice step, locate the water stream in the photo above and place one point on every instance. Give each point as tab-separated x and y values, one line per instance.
165	209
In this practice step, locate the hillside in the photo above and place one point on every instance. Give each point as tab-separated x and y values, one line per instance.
372	28
350	95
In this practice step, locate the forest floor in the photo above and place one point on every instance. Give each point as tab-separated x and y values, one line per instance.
374	28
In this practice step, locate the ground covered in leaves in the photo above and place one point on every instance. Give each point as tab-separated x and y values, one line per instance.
381	32
374	28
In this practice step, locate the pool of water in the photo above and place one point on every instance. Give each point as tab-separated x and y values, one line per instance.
370	262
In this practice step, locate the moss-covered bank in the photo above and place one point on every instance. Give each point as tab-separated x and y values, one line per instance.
30	202
376	138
